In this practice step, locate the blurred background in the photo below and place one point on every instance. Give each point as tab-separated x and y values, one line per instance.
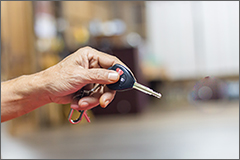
188	51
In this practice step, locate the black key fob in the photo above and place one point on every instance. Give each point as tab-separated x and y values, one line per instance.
126	80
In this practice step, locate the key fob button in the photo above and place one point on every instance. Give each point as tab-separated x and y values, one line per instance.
123	78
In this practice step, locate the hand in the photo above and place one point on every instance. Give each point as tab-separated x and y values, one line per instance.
85	66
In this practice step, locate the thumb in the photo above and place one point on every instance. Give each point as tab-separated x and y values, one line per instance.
102	76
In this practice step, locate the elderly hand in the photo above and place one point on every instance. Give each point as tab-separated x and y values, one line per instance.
85	66
59	83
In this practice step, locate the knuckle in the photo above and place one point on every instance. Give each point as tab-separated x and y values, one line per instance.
87	48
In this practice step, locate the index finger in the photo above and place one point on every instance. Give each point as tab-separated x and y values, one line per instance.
105	60
110	58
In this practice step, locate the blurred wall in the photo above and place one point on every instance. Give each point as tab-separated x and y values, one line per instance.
189	40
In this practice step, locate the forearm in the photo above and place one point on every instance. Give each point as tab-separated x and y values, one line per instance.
22	95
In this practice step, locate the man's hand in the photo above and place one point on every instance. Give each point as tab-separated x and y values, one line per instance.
85	66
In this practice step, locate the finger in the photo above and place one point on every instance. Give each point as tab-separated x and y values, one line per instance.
97	98
104	60
74	104
106	97
101	76
93	63
89	102
86	103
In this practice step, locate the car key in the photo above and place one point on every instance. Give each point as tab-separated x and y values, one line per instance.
125	82
128	81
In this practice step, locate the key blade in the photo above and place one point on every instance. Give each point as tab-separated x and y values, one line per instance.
146	90
95	88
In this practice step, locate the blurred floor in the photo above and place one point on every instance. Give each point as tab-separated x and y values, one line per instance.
180	132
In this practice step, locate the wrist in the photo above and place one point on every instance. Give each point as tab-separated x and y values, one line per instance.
31	89
22	95
37	90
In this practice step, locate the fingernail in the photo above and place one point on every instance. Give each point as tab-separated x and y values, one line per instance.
106	103
74	106
84	104
113	76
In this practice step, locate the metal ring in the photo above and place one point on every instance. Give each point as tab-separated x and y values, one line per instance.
76	120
